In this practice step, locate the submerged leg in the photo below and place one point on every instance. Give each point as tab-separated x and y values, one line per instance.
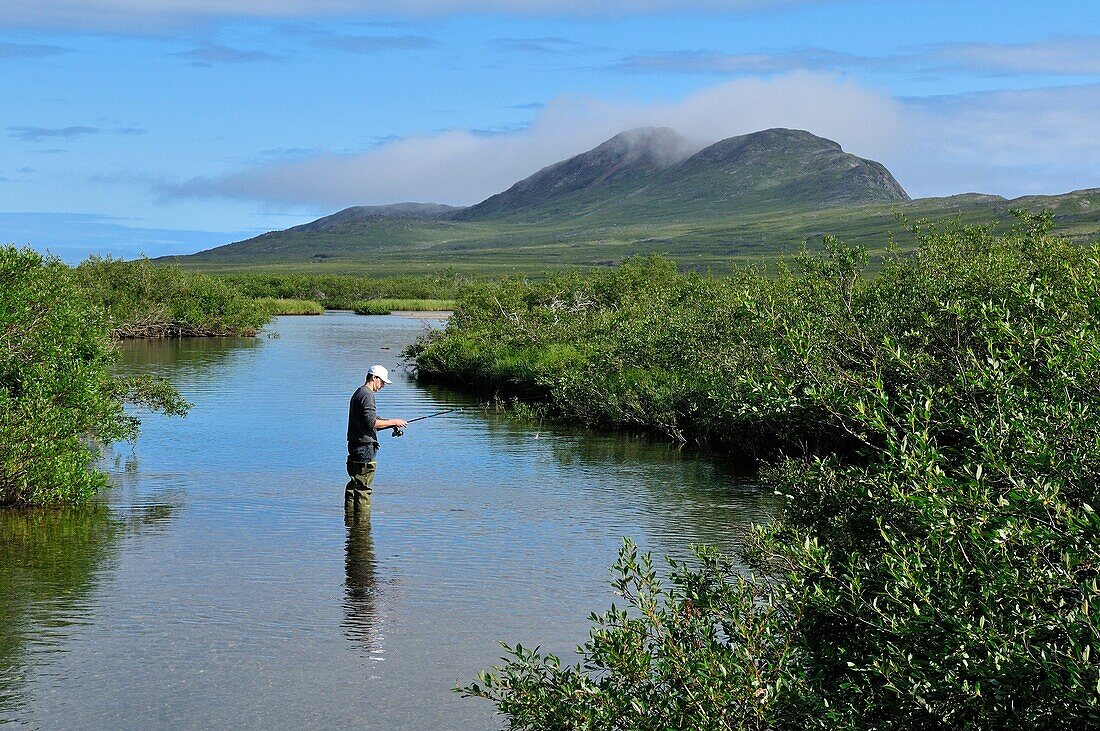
357	493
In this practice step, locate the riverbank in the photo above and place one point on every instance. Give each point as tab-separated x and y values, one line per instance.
60	397
932	433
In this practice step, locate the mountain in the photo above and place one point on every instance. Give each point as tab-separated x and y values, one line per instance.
743	199
627	157
359	214
651	173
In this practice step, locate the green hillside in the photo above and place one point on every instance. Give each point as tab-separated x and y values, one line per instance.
744	199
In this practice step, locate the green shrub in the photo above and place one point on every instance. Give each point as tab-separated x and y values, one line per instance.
343	292
58	398
936	558
147	300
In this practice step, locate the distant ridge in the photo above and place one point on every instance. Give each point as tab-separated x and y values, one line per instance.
355	214
645	191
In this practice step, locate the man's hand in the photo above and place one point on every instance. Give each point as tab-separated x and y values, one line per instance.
382	424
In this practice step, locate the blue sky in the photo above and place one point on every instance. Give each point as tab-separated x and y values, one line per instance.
168	126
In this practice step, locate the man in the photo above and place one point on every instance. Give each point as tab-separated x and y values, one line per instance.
363	426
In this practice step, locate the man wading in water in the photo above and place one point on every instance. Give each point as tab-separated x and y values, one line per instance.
363	426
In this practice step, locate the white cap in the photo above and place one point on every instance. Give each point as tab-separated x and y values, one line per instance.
381	372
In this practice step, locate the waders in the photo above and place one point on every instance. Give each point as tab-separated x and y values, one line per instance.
361	468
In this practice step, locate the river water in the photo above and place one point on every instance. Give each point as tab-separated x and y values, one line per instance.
218	584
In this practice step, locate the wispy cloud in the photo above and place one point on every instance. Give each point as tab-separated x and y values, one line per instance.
209	54
11	51
545	45
130	15
35	134
1079	56
1060	56
711	62
1007	142
73	236
372	43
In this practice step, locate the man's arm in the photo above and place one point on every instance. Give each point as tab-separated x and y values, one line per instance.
380	424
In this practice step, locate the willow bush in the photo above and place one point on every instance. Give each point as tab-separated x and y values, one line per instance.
58	397
343	291
148	300
934	433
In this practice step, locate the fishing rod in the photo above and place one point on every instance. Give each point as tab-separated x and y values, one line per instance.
398	431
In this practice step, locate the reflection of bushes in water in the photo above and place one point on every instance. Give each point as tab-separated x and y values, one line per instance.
181	355
50	562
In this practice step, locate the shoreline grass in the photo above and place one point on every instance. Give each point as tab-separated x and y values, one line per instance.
387	306
282	306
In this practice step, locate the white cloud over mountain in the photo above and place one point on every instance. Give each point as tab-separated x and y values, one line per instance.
461	166
1010	143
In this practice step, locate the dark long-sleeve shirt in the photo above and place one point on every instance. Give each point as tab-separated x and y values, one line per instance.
362	413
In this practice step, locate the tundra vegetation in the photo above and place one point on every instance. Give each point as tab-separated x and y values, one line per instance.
343	292
59	399
147	300
933	431
278	306
386	306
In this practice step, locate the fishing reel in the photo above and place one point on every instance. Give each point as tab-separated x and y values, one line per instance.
397	431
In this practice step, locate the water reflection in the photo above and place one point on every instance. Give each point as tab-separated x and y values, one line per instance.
361	595
51	563
182	357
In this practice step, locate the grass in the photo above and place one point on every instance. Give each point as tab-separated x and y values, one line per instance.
279	306
386	306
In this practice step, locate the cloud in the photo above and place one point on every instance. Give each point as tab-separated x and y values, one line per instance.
547	45
1079	56
1007	142
372	44
708	62
73	236
1076	56
463	166
148	14
9	51
34	134
209	54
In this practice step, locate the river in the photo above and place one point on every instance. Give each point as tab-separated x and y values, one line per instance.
218	585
